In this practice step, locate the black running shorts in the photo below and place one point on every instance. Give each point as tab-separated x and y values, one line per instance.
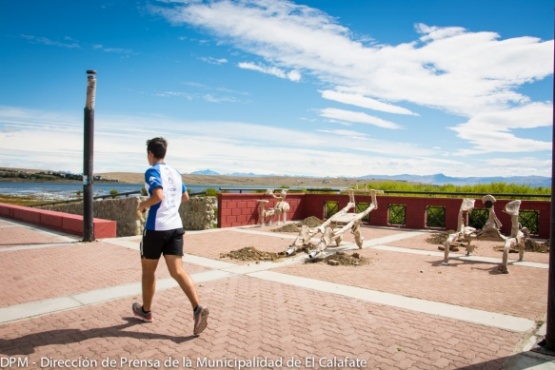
158	242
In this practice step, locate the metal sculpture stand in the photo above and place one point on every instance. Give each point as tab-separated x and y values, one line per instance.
491	230
334	228
280	209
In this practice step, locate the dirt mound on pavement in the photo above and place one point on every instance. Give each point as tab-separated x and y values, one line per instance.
534	246
529	246
289	228
343	259
252	254
439	238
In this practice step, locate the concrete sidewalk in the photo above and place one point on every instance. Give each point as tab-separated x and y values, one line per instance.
67	304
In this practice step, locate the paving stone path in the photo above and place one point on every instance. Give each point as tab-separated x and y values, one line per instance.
67	304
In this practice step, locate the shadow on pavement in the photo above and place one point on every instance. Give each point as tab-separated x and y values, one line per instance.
2	244
525	360
26	344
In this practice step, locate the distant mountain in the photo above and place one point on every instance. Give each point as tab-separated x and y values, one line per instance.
245	174
441	179
209	172
206	172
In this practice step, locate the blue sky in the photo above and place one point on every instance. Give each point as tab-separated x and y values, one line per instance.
306	87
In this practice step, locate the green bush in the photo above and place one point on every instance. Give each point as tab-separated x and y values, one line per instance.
211	192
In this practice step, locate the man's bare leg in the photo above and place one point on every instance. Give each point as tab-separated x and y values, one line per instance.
175	267
148	281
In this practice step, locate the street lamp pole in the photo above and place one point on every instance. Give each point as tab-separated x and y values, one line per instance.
88	156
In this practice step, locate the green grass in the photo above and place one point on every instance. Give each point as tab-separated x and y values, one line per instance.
21	200
492	188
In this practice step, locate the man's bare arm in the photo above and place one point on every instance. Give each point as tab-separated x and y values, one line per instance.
156	197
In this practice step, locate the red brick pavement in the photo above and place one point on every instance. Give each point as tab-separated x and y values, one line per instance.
251	317
521	293
16	235
68	269
484	248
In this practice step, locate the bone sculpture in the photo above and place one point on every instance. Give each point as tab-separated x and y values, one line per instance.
280	209
465	234
517	238
342	221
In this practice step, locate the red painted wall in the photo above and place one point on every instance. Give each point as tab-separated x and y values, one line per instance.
242	209
65	222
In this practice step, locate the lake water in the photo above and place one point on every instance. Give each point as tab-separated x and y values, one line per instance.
61	190
64	190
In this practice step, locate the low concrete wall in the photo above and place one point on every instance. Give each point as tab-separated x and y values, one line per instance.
197	214
121	210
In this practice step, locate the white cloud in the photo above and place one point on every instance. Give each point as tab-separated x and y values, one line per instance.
219	99
347	133
212	60
357	117
294	76
175	94
364	102
46	140
68	42
451	69
521	166
122	51
238	147
491	131
209	97
473	76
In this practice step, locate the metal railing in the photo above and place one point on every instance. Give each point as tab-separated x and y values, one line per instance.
240	190
116	195
99	197
257	190
456	193
407	192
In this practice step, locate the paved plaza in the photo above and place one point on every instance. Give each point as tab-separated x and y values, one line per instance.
67	304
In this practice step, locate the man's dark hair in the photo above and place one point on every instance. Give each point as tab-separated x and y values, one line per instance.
157	146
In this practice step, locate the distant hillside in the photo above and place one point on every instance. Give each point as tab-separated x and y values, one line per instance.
437	179
212	177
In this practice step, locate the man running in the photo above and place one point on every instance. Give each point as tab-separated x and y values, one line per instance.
163	233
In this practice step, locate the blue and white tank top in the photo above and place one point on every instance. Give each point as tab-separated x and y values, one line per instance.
164	215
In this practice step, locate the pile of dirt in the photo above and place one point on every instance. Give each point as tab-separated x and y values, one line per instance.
534	246
529	246
312	221
342	259
296	227
252	254
452	248
289	228
439	238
